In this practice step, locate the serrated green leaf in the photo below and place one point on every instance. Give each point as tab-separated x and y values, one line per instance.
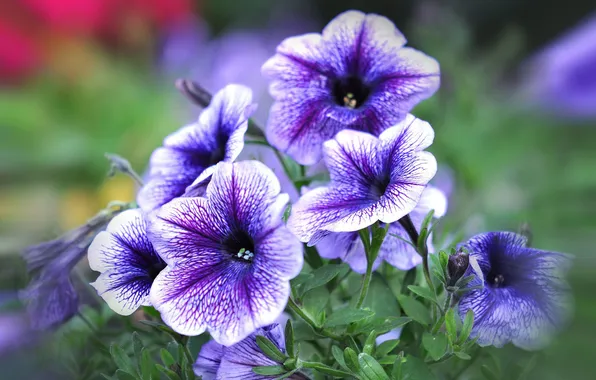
124	375
270	349
369	343
386	347
425	293
346	316
122	360
351	359
166	357
466	327
451	325
338	355
435	345
168	372
414	309
488	373
386	360
289	337
270	370
370	369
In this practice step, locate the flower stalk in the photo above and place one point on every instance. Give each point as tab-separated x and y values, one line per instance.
371	248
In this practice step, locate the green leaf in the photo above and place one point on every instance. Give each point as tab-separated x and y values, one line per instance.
451	325
386	360
351	359
462	355
137	344
415	369
315	301
338	355
380	298
289	333
324	274
147	364
386	347
287	374
425	293
328	370
168	372
166	358
370	369
122	360
382	325
369	344
124	375
488	373
270	349
414	309
466	327
435	345
346	316
443	259
270	370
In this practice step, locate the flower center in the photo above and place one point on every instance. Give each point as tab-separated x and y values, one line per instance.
350	92
240	246
496	280
379	186
155	269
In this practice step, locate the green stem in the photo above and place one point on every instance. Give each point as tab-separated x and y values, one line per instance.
447	302
299	312
407	224
371	248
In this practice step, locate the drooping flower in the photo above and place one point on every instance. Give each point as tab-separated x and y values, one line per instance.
229	255
192	151
217	362
348	245
357	74
524	298
127	262
372	179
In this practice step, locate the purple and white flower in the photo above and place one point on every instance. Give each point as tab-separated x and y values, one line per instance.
127	262
372	179
229	255
524	298
349	248
217	362
218	136
357	74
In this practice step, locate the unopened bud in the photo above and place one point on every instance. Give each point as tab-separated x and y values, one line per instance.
457	267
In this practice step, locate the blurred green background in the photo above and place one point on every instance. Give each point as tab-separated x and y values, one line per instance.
76	86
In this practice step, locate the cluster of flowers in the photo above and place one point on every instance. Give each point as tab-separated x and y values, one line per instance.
210	248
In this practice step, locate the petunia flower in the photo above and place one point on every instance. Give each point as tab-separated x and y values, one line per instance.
357	74
524	298
217	362
192	151
127	262
372	179
229	255
348	246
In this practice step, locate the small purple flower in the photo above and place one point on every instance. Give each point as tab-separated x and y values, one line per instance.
372	179
192	151
357	74
348	245
524	298
217	362
229	255
127	262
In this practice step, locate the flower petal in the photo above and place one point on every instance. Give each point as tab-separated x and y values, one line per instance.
209	360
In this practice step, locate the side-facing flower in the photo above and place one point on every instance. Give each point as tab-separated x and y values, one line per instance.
372	179
193	150
127	262
524	298
357	74
229	255
348	245
217	362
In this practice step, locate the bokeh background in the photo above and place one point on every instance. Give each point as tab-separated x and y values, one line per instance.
515	122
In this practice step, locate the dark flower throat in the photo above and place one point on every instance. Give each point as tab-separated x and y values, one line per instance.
350	92
240	246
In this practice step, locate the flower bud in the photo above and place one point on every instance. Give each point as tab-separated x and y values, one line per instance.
457	267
